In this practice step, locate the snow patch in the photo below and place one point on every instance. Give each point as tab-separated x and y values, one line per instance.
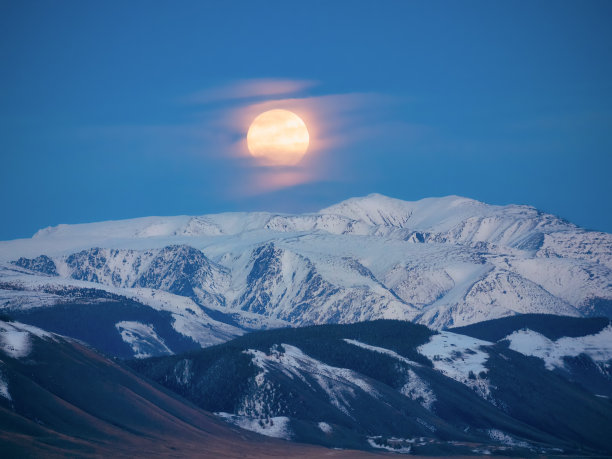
276	427
14	342
4	391
39	332
506	439
459	357
142	339
16	338
397	445
325	427
528	342
183	372
382	350
418	390
203	330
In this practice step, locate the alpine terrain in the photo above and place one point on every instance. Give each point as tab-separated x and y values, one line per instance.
541	386
61	399
441	326
161	285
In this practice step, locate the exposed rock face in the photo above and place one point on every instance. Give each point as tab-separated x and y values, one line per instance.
41	264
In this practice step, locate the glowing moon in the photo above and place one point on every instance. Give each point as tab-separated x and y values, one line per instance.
278	136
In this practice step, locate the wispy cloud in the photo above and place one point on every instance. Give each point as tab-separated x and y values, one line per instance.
248	89
333	120
346	130
340	125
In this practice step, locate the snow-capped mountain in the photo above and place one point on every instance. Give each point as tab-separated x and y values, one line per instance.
442	262
400	386
181	270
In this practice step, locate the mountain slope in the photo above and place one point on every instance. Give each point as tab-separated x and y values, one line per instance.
442	262
59	399
578	349
383	383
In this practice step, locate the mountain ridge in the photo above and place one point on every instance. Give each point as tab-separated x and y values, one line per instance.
59	398
442	262
335	209
397	383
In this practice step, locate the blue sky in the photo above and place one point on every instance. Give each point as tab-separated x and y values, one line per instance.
115	110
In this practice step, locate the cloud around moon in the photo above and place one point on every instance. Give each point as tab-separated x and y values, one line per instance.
347	135
248	89
335	121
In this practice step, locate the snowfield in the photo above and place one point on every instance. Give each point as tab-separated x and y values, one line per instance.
598	347
461	358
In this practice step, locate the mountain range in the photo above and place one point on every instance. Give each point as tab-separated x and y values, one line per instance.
540	386
436	327
161	285
59	398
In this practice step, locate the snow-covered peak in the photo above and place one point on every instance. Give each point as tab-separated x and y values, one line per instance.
134	227
434	214
441	261
464	217
379	210
451	219
158	227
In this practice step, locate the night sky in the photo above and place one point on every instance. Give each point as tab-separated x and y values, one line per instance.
123	109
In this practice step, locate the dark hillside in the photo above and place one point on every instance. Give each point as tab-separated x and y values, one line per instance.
551	326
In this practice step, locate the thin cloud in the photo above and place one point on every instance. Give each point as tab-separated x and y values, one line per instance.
248	89
344	128
334	120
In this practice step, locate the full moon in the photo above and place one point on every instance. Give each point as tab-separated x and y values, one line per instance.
279	137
